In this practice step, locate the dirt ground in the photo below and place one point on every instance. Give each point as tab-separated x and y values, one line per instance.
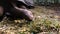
46	21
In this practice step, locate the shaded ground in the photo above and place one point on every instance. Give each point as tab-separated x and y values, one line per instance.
46	21
55	10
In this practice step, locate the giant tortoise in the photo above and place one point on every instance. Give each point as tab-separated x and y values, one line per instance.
14	9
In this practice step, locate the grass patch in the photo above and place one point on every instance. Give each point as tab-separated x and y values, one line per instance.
43	22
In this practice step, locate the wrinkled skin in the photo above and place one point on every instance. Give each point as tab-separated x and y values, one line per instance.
15	11
22	13
1	10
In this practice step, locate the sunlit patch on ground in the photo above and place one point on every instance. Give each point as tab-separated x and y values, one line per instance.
45	21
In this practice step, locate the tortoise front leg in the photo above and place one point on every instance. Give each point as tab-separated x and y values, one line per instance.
22	12
1	12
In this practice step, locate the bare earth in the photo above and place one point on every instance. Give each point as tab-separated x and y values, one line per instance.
46	21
